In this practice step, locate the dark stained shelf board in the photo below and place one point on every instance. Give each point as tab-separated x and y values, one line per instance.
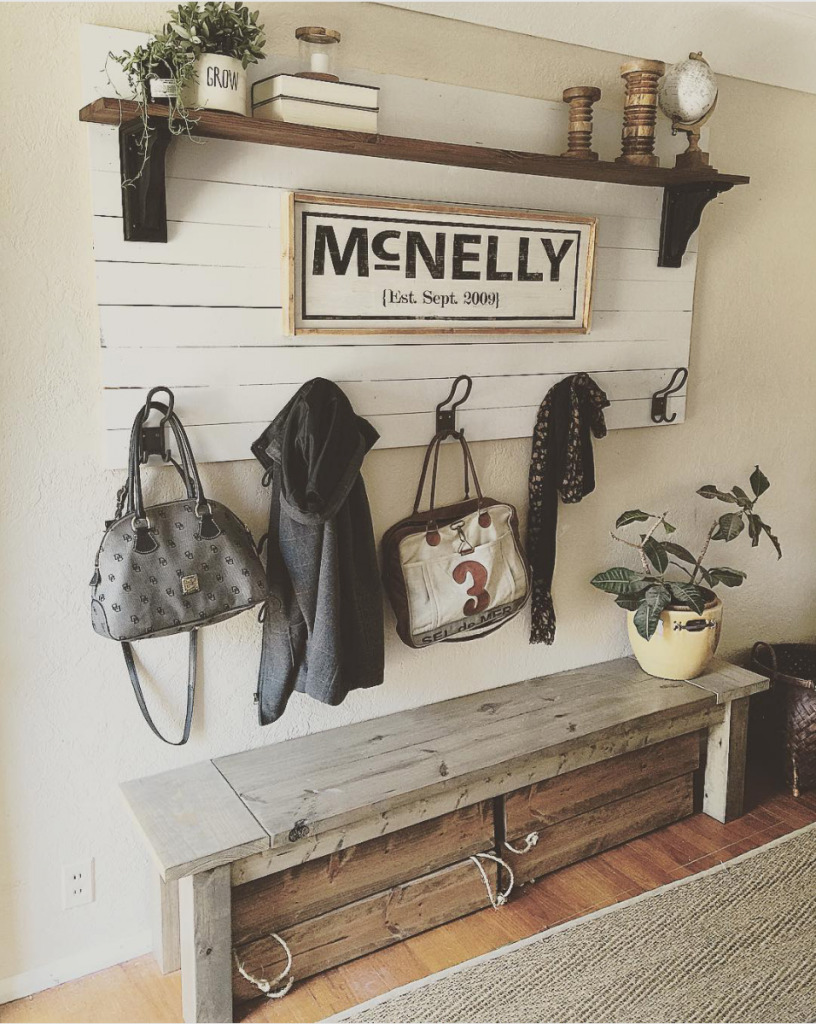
217	125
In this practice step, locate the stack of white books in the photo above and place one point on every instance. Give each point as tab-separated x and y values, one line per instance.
296	100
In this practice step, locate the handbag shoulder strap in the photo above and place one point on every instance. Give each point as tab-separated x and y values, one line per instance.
192	665
433	450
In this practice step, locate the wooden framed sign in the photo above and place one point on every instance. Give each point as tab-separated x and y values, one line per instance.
358	265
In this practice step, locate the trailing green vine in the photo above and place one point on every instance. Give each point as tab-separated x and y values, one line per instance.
171	57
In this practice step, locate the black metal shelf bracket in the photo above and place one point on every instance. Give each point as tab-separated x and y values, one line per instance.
144	202
683	207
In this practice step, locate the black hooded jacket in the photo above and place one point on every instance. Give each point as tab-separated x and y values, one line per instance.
323	631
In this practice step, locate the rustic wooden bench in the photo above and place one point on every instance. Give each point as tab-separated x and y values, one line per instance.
348	840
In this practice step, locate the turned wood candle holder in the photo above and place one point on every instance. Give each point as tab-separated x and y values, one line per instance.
579	135
640	112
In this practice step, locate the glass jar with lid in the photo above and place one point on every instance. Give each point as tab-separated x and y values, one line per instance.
317	49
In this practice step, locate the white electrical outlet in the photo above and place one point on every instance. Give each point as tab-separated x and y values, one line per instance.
77	884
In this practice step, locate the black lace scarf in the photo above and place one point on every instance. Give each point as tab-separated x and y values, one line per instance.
561	462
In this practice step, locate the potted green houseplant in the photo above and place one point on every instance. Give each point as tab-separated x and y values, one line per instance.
674	624
158	71
222	40
199	60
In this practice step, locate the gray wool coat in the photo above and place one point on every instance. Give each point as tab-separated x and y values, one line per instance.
323	626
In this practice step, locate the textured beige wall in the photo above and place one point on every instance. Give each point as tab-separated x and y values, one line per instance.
69	729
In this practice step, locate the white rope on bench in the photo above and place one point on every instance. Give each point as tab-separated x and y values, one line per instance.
529	842
500	898
265	986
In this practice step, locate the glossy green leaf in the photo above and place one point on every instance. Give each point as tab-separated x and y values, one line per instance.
741	496
632	516
630	602
754	528
689	594
730	577
759	482
648	614
656	554
679	551
710	491
619	580
774	540
730	527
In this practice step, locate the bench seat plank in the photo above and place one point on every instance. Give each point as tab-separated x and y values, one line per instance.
192	820
731	682
324	781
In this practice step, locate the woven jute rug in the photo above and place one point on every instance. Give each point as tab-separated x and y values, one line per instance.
736	943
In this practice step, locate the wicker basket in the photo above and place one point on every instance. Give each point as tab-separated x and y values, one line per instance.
792	670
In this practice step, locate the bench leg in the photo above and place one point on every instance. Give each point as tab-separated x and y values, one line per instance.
724	791
166	925
206	946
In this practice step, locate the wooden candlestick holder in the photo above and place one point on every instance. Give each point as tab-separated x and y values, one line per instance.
640	112
579	135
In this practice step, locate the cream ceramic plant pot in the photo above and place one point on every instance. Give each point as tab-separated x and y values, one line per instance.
683	644
220	84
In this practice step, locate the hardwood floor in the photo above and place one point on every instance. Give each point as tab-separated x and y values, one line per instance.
136	991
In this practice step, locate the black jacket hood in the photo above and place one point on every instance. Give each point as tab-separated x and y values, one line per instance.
319	442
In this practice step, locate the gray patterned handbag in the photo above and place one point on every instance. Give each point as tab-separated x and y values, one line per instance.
170	568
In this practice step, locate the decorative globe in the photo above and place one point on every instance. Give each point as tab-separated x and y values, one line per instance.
687	92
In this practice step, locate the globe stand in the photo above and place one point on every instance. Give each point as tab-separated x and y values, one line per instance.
694	158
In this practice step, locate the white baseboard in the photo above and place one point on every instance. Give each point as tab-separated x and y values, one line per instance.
97	958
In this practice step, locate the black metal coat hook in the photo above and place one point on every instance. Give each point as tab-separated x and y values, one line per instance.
661	397
154	441
446	418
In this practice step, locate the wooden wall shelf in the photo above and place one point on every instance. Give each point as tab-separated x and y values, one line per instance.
685	193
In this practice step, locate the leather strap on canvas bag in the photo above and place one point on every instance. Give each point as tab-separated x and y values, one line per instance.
192	665
469	469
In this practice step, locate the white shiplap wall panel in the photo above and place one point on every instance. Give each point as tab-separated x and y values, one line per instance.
185	326
207	367
202	313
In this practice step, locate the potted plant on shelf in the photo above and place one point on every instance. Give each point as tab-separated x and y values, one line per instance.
199	60
158	71
674	624
222	40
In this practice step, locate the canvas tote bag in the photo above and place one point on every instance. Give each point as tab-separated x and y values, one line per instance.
455	572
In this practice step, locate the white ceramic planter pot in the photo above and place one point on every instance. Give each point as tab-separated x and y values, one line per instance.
220	84
683	644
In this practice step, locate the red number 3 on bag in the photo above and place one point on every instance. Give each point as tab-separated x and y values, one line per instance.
478	574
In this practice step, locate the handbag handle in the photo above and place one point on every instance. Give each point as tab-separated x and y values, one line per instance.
192	665
191	478
434	447
195	490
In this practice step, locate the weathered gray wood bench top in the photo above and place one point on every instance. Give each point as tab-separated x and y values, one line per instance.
357	777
